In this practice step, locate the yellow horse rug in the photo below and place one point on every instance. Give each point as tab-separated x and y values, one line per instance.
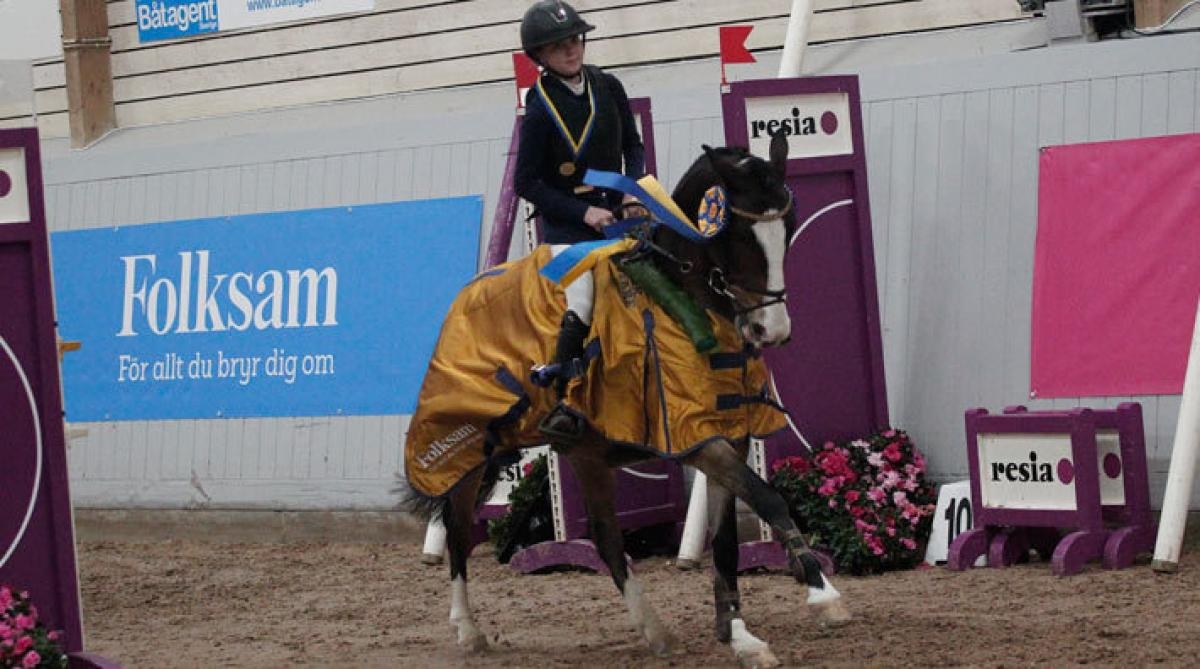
645	386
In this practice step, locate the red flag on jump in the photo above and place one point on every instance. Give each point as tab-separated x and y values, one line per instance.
733	45
527	74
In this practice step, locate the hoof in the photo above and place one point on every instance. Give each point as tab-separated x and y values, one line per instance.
662	643
760	658
471	640
663	647
832	613
431	558
686	564
749	650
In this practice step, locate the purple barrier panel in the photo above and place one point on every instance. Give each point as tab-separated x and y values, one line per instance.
648	493
550	555
830	376
37	543
1036	472
645	120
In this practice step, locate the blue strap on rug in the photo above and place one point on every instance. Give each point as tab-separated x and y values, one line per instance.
561	264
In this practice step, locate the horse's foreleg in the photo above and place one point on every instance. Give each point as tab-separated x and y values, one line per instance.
726	465
598	483
722	518
458	515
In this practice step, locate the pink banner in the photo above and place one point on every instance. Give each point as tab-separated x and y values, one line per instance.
1117	267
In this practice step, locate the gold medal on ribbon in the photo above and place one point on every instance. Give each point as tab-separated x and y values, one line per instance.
576	145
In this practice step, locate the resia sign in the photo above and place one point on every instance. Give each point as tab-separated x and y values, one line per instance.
816	125
1036	471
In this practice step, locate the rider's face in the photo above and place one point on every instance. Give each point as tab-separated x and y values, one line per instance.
564	57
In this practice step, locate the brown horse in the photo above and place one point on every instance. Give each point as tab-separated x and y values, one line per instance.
738	276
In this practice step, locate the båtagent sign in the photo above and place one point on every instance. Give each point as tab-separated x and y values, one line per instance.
170	19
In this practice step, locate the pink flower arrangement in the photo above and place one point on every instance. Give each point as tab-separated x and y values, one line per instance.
866	502
24	642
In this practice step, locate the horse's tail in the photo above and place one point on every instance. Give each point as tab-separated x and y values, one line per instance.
426	507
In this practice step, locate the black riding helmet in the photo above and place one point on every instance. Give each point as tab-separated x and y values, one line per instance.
549	21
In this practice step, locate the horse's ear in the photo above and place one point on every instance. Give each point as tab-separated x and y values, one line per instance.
723	165
779	153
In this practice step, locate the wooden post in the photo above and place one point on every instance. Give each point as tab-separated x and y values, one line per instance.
87	58
1150	13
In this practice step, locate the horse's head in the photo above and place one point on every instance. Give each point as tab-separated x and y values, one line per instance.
742	267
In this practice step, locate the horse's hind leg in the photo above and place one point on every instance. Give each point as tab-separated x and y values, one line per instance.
726	465
722	517
598	483
459	515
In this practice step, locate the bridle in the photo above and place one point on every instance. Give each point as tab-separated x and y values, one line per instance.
758	217
721	286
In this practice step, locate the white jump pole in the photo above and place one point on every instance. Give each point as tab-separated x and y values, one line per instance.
1182	472
796	39
435	541
691	544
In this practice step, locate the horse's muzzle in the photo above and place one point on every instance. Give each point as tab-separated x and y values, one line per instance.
762	332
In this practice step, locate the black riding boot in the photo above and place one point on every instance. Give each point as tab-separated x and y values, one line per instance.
561	424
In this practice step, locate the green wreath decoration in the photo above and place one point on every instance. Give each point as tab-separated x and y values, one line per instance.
528	520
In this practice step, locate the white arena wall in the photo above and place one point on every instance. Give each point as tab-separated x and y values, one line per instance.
953	122
402	46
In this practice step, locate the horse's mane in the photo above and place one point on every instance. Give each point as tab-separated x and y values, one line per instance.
701	176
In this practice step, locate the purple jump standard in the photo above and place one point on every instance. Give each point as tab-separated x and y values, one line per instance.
37	536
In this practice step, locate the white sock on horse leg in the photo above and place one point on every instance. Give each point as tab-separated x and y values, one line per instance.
823	595
742	641
634	594
469	636
460	608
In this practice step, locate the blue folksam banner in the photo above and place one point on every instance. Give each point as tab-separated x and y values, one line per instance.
169	19
306	313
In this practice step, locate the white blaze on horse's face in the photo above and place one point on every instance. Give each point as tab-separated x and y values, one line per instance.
771	324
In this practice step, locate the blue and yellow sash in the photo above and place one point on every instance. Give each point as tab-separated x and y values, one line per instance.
710	219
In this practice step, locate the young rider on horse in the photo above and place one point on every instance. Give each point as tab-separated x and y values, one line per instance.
576	117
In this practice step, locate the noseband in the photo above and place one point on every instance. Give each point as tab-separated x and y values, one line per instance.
720	286
764	216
